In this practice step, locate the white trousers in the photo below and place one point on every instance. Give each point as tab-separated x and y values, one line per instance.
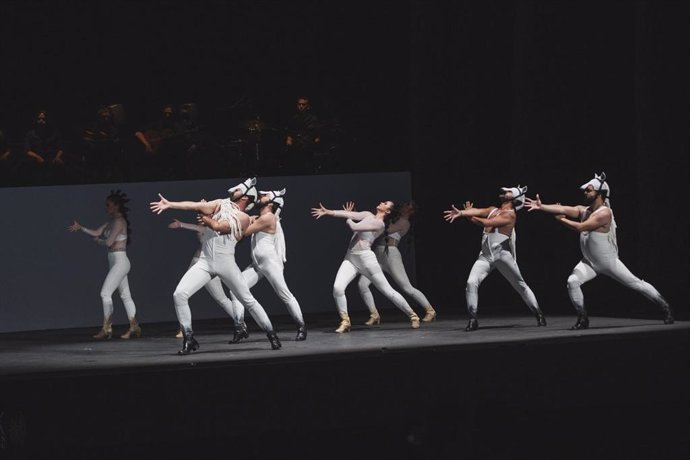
215	290
612	267
503	261
392	264
117	279
201	273
272	270
364	263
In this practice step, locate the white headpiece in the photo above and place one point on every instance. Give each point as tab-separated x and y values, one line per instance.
599	184
248	188
518	195
275	197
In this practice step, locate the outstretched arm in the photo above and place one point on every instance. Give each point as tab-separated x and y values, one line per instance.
499	221
76	226
203	207
593	222
345	214
177	224
371	225
536	205
468	211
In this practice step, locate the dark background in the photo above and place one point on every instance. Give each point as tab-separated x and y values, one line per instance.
467	95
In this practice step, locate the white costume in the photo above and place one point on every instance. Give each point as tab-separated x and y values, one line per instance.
268	254
360	259
391	262
116	278
600	256
499	251
218	259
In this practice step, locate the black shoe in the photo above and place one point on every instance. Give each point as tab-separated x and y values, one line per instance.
472	325
581	323
301	333
541	321
189	344
240	333
275	341
668	315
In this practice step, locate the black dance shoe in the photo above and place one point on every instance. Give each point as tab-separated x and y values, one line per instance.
239	334
581	323
275	341
301	334
541	321
189	344
668	315
472	325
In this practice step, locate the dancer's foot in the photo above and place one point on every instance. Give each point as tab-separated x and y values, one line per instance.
414	321
189	343
239	334
541	321
179	334
668	315
133	332
472	325
106	332
275	341
344	324
581	323
430	314
374	318
301	333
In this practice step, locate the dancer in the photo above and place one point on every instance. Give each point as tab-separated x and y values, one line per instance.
597	227
115	235
268	258
498	250
360	259
226	217
390	259
214	287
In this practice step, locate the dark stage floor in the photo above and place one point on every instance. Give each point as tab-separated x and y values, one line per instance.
509	390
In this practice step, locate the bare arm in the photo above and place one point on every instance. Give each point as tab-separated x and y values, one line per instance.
536	205
203	207
496	222
452	214
593	222
323	211
222	226
265	223
118	227
76	226
194	227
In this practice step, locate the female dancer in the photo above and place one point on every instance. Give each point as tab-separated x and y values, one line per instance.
390	259
115	235
360	259
214	287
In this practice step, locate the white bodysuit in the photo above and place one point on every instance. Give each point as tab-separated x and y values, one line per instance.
116	278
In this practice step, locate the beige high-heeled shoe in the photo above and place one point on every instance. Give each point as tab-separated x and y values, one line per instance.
414	321
179	334
374	318
134	330
430	314
344	324
106	332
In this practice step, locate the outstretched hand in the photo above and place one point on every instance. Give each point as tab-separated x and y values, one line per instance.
159	206
319	212
452	214
468	205
175	224
533	204
75	227
349	206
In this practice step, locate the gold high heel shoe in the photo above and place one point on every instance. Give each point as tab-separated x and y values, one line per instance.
344	324
106	332
414	321
179	334
374	318
134	330
430	314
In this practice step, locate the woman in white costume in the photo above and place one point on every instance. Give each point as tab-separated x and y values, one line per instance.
361	260
390	259
227	219
115	235
597	228
268	258
498	250
215	286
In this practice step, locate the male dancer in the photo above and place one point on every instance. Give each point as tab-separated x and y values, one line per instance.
268	257
498	250
229	222
597	228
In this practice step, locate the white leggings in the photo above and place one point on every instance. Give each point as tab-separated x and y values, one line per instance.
365	264
504	262
215	289
273	272
392	264
201	273
117	279
615	269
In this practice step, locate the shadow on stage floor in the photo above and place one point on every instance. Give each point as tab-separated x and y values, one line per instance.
508	390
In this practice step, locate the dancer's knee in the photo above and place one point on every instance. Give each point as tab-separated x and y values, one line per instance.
180	296
574	282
